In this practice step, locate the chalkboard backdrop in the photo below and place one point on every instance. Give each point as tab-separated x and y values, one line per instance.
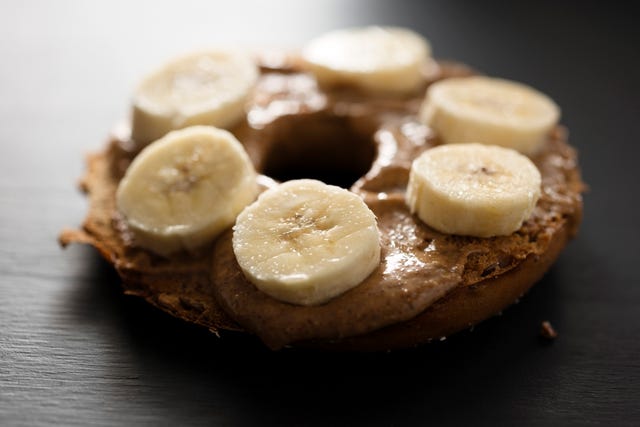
75	351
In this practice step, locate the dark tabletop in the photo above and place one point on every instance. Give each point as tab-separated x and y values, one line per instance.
75	351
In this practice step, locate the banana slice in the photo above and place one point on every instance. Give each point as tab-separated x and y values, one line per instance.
305	242
377	59
208	88
489	111
185	188
473	189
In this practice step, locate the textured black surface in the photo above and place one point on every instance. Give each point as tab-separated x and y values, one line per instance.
74	351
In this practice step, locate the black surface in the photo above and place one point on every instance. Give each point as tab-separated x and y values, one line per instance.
74	351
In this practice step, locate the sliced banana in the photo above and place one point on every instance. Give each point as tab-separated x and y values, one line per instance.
473	189
182	190
305	242
377	59
206	88
489	111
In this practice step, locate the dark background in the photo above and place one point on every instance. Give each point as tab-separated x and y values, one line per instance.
74	351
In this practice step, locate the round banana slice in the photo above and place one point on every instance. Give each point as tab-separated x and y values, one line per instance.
489	111
182	190
207	88
473	189
306	242
377	59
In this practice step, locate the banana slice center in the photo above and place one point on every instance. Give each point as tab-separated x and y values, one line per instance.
185	188
490	111
366	50
473	177
305	242
473	189
501	104
188	85
206	88
378	59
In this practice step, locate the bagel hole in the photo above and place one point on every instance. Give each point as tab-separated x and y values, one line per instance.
336	150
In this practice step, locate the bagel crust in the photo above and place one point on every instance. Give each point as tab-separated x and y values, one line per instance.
428	285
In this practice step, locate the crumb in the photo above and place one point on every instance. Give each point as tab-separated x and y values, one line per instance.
547	331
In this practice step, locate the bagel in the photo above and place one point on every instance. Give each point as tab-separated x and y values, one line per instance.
365	142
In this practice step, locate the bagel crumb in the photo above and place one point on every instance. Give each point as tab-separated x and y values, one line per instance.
547	331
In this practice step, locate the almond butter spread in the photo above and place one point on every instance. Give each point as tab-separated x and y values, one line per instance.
294	129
